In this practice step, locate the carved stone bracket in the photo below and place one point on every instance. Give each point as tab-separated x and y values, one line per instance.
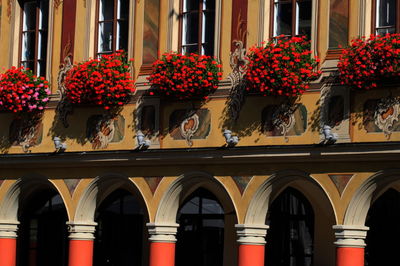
238	63
283	118
386	114
188	128
64	108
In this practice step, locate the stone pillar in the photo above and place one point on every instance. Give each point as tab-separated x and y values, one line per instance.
162	244
81	238
8	243
251	239
350	244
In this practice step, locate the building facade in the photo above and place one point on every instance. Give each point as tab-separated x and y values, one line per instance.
282	195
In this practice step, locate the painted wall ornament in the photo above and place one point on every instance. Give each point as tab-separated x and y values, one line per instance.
283	118
387	114
238	63
64	108
188	128
104	129
26	133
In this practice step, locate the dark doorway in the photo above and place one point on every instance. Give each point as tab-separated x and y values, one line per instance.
291	233
383	220
43	236
201	231
119	234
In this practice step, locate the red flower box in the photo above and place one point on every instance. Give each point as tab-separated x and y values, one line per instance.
185	77
23	92
284	66
105	82
369	61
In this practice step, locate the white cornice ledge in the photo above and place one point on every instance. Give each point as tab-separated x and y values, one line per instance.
8	229
350	235
164	233
81	231
251	234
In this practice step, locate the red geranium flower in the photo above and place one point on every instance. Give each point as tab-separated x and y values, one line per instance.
105	81
284	66
185	76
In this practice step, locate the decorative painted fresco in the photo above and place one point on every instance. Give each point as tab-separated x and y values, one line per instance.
153	182
102	130
150	31
241	182
188	125
341	181
284	120
382	115
239	22
1	182
338	23
147	120
335	112
71	184
25	133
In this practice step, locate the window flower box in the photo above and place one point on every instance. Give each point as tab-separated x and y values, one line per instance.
369	62
284	66
185	77
105	82
23	92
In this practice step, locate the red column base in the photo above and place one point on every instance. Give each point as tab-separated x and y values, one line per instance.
80	253
251	255
162	254
8	249
348	256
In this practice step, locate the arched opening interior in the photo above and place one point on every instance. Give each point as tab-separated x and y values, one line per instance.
42	235
383	220
291	233
119	234
201	231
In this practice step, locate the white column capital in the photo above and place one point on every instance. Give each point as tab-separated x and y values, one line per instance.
8	229
350	235
162	232
81	230
251	234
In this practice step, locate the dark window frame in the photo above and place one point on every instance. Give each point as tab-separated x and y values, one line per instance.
374	28
294	21
114	21
36	59
200	12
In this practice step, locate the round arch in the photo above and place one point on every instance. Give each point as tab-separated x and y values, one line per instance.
98	190
182	187
258	208
367	193
21	189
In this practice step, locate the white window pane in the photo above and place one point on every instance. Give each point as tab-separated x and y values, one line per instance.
44	14
28	46
282	18
105	37
123	9
106	10
386	13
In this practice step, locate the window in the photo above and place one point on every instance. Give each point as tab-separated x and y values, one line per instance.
385	20
34	32
197	23
291	17
112	26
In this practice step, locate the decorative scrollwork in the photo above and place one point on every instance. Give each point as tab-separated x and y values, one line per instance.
188	128
283	118
102	132
24	132
386	114
238	63
64	108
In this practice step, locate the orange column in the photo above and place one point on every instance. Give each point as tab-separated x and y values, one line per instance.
251	239
350	243
162	244
8	243
81	238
